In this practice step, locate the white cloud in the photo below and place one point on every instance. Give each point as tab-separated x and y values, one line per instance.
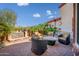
22	4
51	17
49	12
36	15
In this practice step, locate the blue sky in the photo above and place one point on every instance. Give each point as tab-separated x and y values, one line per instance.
29	14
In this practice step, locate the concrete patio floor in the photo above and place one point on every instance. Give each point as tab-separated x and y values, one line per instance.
24	49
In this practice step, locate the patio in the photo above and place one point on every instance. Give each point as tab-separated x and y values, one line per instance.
64	23
24	49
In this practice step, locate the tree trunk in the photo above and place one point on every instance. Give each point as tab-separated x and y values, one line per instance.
7	38
2	38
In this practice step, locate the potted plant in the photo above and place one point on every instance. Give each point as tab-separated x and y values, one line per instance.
39	46
51	31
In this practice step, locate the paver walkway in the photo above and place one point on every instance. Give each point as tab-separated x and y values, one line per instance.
24	49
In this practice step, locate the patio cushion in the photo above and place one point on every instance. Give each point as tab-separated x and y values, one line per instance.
64	38
64	35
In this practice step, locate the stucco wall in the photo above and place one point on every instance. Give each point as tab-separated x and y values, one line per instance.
53	24
58	24
66	17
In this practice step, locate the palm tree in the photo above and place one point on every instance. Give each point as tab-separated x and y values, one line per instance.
7	23
5	29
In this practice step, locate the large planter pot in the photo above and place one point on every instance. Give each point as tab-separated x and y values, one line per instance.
39	46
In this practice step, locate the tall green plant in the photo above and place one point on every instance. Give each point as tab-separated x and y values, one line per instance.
7	23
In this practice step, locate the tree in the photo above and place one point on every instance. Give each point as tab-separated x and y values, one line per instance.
8	16
7	23
5	29
39	27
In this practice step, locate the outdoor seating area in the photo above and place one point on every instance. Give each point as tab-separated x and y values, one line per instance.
39	45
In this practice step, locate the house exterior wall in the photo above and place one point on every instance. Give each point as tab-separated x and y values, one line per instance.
52	24
66	17
58	24
55	24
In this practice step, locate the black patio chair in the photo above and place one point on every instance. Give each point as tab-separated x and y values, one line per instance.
64	38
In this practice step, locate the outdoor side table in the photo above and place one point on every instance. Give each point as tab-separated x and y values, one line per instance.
51	40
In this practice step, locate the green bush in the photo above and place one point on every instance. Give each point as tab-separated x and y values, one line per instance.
46	30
